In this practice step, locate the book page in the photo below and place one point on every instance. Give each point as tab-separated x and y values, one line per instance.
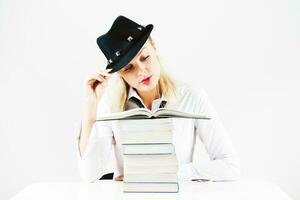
164	112
136	113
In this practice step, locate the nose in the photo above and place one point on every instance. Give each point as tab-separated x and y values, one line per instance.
142	69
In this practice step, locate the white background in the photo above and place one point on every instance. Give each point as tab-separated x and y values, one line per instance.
244	53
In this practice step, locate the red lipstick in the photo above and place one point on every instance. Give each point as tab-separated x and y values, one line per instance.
146	81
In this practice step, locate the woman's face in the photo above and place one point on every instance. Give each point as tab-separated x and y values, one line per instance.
143	71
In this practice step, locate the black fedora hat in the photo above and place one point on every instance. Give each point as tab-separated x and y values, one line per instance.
122	42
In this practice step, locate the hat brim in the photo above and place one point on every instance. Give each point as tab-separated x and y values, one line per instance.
135	48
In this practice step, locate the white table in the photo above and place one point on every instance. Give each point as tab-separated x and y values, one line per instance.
108	190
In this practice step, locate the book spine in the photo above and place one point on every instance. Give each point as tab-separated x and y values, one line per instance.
167	177
151	169
144	149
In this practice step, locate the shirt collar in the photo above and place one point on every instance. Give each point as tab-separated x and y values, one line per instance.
132	93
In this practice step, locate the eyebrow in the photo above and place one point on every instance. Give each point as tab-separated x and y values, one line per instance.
137	55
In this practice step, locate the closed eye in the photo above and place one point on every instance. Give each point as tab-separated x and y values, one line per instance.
146	58
128	68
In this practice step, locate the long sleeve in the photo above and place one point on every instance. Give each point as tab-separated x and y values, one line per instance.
223	163
96	159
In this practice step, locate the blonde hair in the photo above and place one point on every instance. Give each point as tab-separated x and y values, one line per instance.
166	85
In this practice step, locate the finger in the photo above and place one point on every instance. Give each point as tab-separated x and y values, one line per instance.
94	79
92	76
119	178
98	71
106	74
96	83
106	71
101	77
102	73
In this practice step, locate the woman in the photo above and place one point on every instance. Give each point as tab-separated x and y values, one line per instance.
131	53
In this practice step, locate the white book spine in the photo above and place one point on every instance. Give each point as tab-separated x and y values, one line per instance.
146	138
151	169
145	129
145	121
167	177
147	160
148	149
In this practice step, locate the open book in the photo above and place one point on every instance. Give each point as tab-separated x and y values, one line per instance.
144	113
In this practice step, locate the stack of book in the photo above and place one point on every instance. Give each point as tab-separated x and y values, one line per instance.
150	163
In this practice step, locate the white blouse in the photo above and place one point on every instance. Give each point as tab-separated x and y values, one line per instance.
203	147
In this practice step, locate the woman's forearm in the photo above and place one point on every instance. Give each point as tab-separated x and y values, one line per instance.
94	87
86	128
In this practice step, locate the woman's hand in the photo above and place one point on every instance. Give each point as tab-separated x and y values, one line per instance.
94	86
119	178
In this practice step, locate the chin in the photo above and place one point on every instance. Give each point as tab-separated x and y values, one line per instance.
146	88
